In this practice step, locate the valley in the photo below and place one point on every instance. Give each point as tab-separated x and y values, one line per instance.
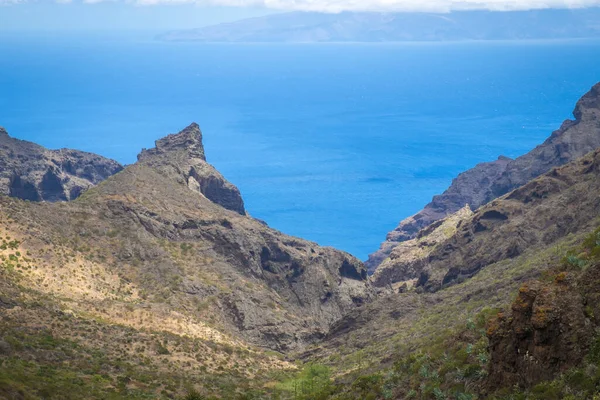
154	281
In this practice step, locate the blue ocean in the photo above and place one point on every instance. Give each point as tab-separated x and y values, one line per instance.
334	143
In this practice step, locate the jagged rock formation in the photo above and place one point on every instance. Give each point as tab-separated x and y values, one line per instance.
546	332
488	181
31	172
407	260
175	231
544	210
182	158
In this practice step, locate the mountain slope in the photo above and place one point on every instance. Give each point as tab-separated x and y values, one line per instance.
164	227
31	172
548	208
488	181
432	340
410	26
407	260
156	282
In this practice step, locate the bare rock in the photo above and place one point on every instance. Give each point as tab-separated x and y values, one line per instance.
180	232
182	156
31	172
407	260
546	332
533	216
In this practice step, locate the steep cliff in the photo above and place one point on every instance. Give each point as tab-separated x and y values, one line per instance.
487	181
181	157
31	172
538	213
561	202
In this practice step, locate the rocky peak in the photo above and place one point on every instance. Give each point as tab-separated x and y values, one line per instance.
589	105
274	290
189	140
3	131
181	157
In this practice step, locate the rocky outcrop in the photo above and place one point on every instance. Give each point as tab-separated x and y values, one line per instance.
558	203
407	260
573	140
488	181
548	330
31	172
182	156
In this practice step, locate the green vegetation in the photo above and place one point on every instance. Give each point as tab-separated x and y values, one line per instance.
584	255
454	364
312	383
454	367
46	353
581	383
450	363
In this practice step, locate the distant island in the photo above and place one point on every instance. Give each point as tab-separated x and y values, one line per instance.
310	27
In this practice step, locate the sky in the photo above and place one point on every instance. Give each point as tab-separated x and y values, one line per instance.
157	15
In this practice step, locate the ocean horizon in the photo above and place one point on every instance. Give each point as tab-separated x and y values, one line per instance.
334	143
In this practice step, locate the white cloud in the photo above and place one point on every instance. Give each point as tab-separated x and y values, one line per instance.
366	5
386	5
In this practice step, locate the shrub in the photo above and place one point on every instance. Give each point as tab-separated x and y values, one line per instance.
193	395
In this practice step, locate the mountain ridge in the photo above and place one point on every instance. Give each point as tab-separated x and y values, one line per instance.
310	27
167	222
32	172
487	181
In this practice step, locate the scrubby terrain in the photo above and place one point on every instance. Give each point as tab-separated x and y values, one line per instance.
160	268
155	282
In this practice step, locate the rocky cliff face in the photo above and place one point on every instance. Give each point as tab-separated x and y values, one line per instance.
551	326
546	332
558	203
408	258
175	231
488	181
31	172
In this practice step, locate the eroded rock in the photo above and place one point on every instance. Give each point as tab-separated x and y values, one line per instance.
31	172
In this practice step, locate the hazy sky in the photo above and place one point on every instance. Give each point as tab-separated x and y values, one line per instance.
115	15
167	14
